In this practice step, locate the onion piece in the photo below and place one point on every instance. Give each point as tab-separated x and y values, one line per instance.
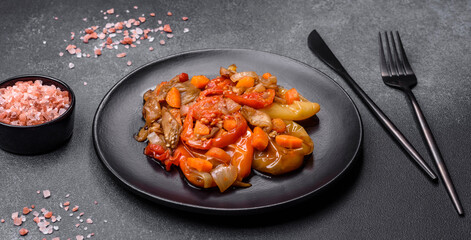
236	77
155	139
224	176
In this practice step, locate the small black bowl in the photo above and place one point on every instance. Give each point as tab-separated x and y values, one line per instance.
41	138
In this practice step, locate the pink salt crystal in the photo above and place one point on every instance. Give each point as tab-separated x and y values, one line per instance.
66	208
71	65
2	220
184	18
38	192
89	221
129	63
135	7
110	11
151	49
46	193
14	215
85	83
61	54
56	238
81	214
169	35
79	237
159	21
162	42
169	13
17	221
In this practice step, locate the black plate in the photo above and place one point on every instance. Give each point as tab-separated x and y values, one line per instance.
336	132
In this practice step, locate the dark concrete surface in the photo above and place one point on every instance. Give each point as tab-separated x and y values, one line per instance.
383	196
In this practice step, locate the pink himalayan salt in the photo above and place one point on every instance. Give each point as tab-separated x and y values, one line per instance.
31	103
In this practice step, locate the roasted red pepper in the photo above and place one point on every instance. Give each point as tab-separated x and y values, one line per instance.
254	99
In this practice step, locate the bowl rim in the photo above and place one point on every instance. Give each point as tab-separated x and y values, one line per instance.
53	79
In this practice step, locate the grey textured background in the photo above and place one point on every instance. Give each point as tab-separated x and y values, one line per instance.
383	196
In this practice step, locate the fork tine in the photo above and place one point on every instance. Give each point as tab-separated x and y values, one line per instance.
396	57
405	62
392	64
382	61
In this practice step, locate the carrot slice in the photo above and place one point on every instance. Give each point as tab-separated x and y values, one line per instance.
200	164
245	82
259	139
173	98
201	129
219	153
291	96
266	75
288	141
278	125
229	124
199	81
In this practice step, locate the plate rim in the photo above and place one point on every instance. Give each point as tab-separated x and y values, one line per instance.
218	210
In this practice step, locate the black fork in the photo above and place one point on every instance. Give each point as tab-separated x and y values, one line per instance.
397	72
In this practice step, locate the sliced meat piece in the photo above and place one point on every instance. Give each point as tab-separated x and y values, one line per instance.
257	118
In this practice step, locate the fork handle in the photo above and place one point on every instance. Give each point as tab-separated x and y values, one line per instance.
437	157
388	125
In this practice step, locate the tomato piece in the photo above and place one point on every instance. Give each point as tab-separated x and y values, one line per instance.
217	86
208	108
160	153
254	99
183	77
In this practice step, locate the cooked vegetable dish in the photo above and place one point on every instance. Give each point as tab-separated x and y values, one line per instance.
217	130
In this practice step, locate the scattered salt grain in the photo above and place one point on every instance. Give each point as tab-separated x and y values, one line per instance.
169	35
77	225
71	65
46	193
185	30
79	237
14	215
85	83
81	220
61	54
169	13
151	49
162	42
67	195
85	228
129	63
135	7
89	221
44	42
184	18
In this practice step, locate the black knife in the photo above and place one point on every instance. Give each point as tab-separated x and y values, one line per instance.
322	51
